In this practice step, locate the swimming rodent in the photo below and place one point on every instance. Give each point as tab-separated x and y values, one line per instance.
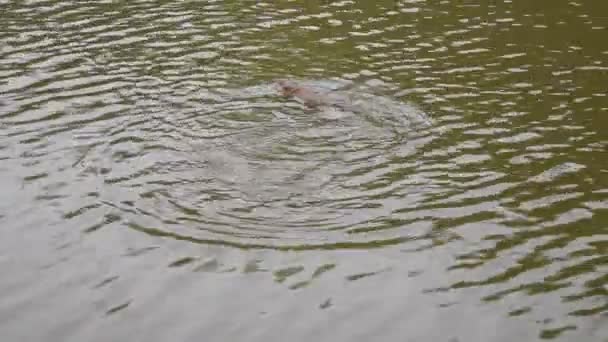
309	96
349	102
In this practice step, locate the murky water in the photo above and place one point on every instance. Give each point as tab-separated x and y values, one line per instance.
155	186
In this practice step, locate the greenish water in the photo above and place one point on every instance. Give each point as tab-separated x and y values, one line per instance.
155	186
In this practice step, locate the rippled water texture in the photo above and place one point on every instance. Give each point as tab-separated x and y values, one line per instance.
156	187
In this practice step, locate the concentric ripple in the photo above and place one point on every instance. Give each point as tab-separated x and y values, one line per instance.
252	172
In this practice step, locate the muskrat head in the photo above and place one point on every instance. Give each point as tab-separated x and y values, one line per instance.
286	87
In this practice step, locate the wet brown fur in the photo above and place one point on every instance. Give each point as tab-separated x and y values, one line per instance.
309	96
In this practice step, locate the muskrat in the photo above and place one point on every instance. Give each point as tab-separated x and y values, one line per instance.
348	102
309	96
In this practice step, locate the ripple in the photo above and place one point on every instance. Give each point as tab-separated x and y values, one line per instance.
148	137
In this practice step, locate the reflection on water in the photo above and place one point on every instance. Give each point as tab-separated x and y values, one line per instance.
155	183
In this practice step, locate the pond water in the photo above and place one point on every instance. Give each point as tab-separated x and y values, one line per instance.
156	187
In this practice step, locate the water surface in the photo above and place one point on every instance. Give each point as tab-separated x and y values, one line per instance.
156	187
